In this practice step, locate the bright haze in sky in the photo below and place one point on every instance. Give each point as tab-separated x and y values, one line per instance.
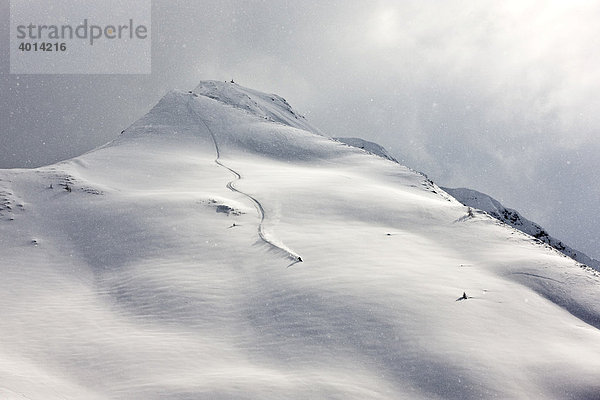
500	97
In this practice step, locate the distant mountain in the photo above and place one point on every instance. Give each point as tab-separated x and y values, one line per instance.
222	248
482	201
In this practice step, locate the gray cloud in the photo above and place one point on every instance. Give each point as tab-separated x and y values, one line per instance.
497	96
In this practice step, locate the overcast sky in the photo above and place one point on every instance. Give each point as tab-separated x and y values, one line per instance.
499	96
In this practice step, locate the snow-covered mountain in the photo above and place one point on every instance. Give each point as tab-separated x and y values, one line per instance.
482	201
166	265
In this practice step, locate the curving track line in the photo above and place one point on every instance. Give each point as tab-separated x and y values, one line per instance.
261	211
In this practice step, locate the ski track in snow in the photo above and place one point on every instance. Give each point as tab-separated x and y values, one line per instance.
536	276
259	207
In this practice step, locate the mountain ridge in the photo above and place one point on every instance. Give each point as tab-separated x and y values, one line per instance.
482	201
371	147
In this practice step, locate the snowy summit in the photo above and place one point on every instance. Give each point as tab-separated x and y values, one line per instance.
222	248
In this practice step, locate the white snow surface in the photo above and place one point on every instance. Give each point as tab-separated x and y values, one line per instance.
135	283
482	201
370	147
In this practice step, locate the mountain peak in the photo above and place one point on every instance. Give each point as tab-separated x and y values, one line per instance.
235	118
268	106
180	111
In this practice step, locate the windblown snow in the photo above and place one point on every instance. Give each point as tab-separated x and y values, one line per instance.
164	265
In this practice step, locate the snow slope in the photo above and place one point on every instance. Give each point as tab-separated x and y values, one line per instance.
163	266
482	201
367	146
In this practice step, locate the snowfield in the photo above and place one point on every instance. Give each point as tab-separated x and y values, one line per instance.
147	270
482	201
